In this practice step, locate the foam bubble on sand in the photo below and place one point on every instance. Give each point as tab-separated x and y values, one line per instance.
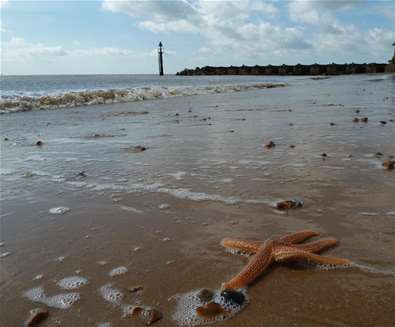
183	193
178	175
131	209
188	303
118	271
59	210
254	162
111	294
73	282
60	301
104	324
163	206
35	294
226	180
366	213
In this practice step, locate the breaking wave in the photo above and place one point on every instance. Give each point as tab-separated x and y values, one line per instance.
110	96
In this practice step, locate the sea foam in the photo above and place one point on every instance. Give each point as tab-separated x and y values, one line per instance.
109	96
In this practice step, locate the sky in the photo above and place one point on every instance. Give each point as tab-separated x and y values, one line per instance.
120	37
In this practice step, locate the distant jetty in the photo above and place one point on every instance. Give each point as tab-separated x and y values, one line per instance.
315	69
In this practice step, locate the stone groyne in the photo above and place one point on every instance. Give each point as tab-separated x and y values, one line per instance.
315	69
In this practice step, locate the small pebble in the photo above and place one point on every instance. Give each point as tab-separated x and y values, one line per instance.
36	316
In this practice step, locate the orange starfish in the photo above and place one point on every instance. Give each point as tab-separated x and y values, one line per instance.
284	249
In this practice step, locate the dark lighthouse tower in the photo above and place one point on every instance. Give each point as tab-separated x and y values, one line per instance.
160	58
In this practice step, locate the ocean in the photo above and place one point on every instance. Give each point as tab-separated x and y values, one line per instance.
25	93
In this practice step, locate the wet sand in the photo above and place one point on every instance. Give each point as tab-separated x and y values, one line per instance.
206	161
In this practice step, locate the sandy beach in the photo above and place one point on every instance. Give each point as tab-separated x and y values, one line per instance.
205	175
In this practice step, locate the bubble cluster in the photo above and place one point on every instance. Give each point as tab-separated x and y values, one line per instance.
118	271
73	282
60	301
111	294
188	303
105	324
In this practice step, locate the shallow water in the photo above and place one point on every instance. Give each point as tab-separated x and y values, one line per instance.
209	166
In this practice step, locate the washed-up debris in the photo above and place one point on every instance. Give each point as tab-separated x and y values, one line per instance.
81	174
137	248
211	309
136	149
36	316
170	262
388	164
38	277
135	289
4	254
289	204
129	113
270	145
378	154
147	315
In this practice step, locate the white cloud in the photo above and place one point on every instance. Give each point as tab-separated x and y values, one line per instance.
18	49
4	3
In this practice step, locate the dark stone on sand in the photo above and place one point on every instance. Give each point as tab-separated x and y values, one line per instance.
357	111
81	174
356	120
205	295
6	139
364	119
233	296
39	143
289	204
332	124
383	122
177	114
324	155
147	315
36	316
388	164
210	310
378	154
270	145
292	146
290	124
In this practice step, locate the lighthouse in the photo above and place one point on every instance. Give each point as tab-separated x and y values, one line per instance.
160	58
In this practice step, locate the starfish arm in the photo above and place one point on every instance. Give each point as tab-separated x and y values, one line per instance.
257	265
248	246
317	246
286	253
298	237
